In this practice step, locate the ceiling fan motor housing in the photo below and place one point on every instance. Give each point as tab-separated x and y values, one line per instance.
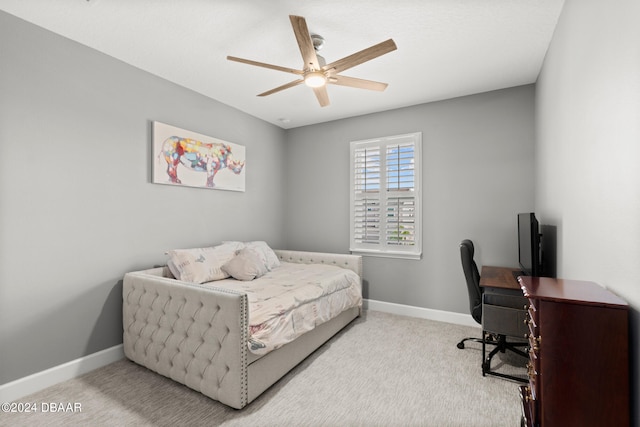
318	41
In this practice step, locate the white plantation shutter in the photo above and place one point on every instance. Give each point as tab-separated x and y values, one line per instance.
385	196
366	174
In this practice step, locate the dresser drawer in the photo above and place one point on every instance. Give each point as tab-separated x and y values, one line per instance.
528	407
533	373
532	318
532	395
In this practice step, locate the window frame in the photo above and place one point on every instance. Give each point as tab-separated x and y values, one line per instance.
384	246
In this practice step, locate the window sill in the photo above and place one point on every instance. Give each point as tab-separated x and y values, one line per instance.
379	254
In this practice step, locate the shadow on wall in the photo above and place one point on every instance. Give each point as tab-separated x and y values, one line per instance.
549	249
365	289
107	331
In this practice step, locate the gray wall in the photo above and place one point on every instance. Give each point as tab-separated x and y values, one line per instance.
78	209
478	174
588	147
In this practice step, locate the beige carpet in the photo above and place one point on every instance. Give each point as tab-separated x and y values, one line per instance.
382	370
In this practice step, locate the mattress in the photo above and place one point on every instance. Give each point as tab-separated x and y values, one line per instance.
293	299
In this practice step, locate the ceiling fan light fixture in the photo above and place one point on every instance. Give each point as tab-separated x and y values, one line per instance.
315	79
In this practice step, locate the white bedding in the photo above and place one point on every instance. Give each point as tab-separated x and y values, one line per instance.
292	299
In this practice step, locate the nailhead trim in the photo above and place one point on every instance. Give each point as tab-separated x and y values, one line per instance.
183	334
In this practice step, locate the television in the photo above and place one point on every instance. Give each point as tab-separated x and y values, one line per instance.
529	245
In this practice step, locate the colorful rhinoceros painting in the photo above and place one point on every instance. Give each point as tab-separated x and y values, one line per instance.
198	156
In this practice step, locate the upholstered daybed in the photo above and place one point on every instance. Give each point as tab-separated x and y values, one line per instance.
201	335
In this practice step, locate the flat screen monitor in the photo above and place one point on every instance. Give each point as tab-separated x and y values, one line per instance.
529	256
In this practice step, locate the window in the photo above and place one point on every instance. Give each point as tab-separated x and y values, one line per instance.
385	190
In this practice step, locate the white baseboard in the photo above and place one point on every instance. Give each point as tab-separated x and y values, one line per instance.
17	389
24	386
420	312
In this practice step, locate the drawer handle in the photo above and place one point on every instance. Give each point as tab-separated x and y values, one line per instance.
531	372
527	396
536	341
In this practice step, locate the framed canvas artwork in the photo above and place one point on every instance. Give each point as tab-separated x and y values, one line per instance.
186	158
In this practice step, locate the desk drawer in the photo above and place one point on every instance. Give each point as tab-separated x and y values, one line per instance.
504	320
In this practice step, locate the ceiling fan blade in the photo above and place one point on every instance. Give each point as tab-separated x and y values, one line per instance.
322	95
264	65
362	56
283	87
358	83
304	42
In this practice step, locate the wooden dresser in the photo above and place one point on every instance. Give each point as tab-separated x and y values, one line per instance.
579	355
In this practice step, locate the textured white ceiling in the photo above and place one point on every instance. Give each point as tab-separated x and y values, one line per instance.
446	48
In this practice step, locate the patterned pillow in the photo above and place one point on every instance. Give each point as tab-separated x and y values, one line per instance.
267	255
201	265
246	265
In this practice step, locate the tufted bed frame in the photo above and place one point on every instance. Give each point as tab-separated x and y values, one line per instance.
197	335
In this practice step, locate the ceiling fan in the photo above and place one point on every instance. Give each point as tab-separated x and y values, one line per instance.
316	73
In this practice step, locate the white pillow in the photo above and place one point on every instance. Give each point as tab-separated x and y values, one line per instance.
246	265
267	255
173	269
201	265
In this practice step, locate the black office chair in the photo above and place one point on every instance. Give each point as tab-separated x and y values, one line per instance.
472	276
498	303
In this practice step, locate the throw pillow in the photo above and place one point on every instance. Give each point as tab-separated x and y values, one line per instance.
246	265
267	255
201	265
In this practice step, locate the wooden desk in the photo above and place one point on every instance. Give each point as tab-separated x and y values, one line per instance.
499	277
503	314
